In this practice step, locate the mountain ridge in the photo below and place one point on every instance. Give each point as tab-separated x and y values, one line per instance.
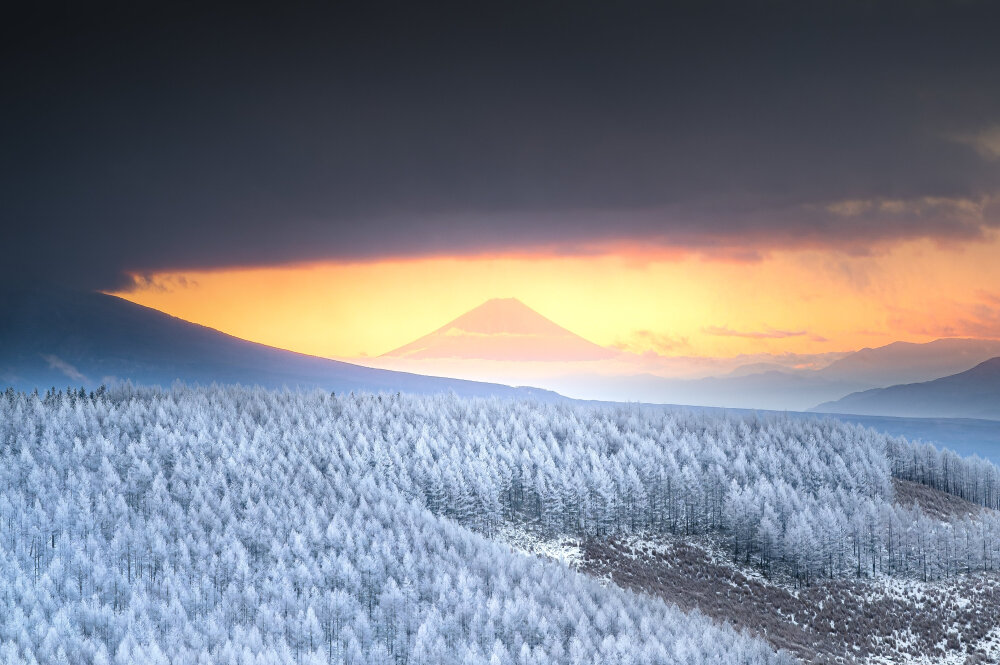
974	393
912	362
49	337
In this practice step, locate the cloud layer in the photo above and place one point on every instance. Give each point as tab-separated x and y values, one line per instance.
144	139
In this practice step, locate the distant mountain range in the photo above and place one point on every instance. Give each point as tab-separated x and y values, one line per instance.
60	338
785	388
502	329
506	340
907	362
974	393
57	338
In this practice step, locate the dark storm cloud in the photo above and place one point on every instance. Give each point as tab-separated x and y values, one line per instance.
151	137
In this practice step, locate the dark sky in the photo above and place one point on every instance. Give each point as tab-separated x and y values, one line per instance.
152	136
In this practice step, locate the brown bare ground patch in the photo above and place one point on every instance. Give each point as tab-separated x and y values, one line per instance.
838	621
935	503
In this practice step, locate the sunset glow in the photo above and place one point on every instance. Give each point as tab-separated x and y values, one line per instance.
800	302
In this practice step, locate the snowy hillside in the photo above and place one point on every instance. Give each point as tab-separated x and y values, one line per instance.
231	525
215	526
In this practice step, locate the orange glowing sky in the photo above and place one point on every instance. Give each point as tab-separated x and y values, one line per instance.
800	301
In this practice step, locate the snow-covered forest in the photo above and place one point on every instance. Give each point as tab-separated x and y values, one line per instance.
236	525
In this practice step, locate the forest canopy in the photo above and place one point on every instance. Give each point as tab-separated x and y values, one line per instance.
233	525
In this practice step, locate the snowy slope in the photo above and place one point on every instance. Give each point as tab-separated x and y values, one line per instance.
57	338
240	526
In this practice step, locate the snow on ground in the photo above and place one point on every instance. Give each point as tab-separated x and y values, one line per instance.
888	624
566	551
892	648
990	645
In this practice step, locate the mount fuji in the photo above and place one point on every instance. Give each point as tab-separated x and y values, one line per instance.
503	329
